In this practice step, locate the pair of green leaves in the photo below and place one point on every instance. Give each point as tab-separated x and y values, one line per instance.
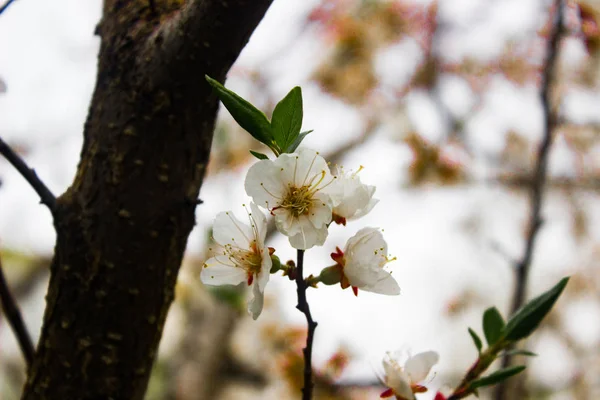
281	134
500	334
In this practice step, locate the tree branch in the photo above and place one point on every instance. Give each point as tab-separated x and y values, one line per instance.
539	181
13	315
312	325
5	6
46	196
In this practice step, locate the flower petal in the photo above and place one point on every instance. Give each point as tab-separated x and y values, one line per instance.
265	269
263	183
215	273
367	247
397	380
260	222
228	230
320	212
418	366
255	305
310	169
371	278
308	236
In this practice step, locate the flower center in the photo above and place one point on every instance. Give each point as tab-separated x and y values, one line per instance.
298	200
248	260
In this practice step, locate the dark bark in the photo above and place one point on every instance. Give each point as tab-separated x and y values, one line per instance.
123	225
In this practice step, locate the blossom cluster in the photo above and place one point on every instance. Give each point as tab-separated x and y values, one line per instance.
304	197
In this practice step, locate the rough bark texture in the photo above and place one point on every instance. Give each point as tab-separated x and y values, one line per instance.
123	224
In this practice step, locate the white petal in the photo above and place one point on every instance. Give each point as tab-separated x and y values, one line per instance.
264	185
260	221
255	305
367	246
418	366
285	222
308	235
361	213
320	211
227	229
265	269
216	274
310	169
398	380
371	278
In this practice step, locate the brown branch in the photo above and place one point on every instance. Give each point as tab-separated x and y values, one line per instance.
5	6
15	320
46	196
312	325
539	180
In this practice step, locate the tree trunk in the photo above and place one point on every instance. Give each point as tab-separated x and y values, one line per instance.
123	225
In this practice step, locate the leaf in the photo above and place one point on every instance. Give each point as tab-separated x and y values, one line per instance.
528	318
287	119
476	340
493	325
292	148
497	376
245	114
520	353
258	155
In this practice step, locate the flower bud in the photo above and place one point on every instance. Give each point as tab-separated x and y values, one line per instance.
331	275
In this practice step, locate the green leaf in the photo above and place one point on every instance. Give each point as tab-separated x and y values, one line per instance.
528	318
497	376
246	115
292	148
287	119
476	340
258	155
493	325
521	353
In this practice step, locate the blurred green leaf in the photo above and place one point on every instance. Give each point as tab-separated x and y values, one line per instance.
476	340
287	119
528	318
292	148
258	155
493	325
246	115
521	353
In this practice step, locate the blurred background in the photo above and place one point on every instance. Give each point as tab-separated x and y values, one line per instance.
438	100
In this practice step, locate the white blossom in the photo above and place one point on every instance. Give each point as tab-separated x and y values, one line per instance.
299	191
356	198
362	263
242	255
404	382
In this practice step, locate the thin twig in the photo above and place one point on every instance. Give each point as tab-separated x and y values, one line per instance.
312	325
5	6
13	315
46	196
539	180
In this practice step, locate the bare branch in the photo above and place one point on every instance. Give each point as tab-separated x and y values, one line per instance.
13	315
5	6
539	180
46	196
307	389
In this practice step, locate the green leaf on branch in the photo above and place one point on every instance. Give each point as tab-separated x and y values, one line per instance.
521	353
493	325
476	340
258	155
496	377
528	318
287	119
245	114
292	148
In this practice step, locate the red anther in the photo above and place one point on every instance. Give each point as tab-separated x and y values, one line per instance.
338	219
355	290
418	388
386	394
250	279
